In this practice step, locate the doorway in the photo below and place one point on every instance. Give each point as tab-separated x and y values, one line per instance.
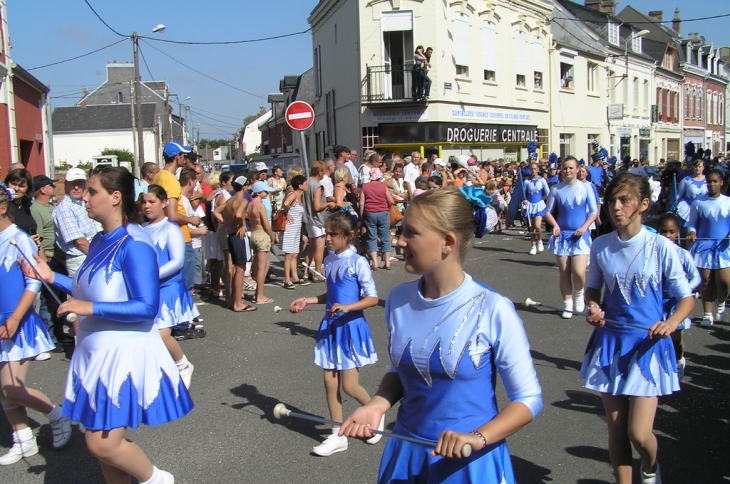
397	51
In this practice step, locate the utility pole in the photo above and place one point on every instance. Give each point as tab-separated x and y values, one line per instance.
138	107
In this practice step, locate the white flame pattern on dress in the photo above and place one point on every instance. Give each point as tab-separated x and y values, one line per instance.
649	273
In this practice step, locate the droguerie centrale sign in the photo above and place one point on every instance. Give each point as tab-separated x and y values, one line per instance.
457	133
475	133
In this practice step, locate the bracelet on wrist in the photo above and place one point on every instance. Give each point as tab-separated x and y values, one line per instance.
305	302
478	434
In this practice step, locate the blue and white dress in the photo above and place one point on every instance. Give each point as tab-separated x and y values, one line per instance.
176	303
31	338
708	218
344	340
622	360
574	204
693	280
535	191
688	191
446	353
121	374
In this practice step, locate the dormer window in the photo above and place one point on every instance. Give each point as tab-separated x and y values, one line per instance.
635	43
613	33
120	98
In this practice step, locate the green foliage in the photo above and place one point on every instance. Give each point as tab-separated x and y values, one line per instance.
249	119
215	143
85	166
63	166
122	154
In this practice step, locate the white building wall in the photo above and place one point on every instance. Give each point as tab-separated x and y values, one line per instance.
252	135
579	108
75	148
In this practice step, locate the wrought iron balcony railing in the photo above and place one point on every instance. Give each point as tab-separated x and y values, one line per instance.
389	83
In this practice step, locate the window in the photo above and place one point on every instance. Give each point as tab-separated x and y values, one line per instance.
612	80
566	76
370	137
686	103
698	105
635	42
520	56
462	71
721	110
591	137
646	97
659	102
715	117
636	95
668	60
120	98
461	44
613	33
708	111
592	77
489	51
566	144
538	62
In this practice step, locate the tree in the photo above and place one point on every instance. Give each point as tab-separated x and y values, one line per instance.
122	153
215	143
250	119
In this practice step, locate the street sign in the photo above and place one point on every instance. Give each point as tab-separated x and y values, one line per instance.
299	115
654	113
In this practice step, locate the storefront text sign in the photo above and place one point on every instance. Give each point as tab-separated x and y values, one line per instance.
398	116
494	115
456	133
490	134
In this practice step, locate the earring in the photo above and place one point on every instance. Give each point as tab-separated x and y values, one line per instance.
446	250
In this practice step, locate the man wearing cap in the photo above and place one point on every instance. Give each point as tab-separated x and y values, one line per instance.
261	238
42	213
174	155
73	227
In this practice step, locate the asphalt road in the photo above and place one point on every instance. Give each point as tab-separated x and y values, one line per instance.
250	362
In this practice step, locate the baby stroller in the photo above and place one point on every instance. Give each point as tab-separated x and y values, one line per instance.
485	216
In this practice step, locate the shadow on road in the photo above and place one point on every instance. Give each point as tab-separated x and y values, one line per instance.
494	249
296	329
526	471
252	397
560	363
585	402
532	263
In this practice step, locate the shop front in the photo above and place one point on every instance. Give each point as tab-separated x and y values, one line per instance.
485	141
696	136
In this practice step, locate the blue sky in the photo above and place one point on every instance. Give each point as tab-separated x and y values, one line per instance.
46	31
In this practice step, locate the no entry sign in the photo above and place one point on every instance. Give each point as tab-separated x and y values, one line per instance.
299	115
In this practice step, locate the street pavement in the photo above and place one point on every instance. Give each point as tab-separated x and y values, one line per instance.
249	362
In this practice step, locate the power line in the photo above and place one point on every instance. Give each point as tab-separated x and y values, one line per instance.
145	64
217	114
214	119
103	21
643	22
204	74
77	57
230	42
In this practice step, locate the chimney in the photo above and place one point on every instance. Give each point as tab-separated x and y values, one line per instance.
603	6
676	21
657	15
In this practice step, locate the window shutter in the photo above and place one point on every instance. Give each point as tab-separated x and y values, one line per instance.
461	39
489	49
520	54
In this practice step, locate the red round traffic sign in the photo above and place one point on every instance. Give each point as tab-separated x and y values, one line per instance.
299	115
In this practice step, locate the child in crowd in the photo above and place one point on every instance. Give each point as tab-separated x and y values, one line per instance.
669	226
632	367
449	334
23	336
421	186
344	343
708	228
176	303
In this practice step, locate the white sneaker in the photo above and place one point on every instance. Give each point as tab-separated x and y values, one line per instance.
653	478
579	301
567	309
719	313
187	374
61	432
331	445
533	250
18	451
681	364
706	322
376	437
167	478
43	357
540	247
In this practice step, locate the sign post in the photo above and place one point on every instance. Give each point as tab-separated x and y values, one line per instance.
300	116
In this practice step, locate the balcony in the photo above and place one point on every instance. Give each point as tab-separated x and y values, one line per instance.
388	84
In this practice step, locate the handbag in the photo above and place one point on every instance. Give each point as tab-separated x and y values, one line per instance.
395	216
278	223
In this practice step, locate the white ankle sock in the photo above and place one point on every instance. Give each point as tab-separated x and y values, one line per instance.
55	414
720	307
157	477
182	363
568	304
707	315
23	435
335	430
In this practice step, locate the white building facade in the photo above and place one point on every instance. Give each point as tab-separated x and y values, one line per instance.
489	71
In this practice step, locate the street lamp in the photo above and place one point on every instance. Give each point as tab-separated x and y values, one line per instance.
137	100
637	35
